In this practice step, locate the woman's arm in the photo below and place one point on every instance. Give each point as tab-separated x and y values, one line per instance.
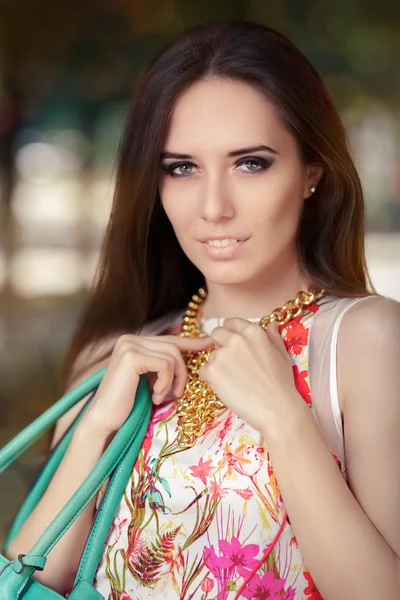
132	356
350	536
87	445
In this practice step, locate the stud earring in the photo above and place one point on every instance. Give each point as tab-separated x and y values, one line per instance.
313	188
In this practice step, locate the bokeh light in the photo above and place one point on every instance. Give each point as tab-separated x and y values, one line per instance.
65	90
46	271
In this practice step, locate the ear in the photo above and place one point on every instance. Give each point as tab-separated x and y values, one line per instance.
314	173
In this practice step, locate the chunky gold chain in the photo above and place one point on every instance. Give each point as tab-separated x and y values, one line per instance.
199	405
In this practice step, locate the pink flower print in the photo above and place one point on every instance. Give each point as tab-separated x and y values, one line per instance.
160	413
126	595
216	490
289	594
246	494
236	555
211	561
264	588
116	531
207	585
203	470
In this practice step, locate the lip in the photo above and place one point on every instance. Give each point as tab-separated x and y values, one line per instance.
223	237
225	252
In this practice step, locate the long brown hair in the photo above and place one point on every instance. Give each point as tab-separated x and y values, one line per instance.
142	272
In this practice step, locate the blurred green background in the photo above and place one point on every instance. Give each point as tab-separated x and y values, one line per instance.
67	74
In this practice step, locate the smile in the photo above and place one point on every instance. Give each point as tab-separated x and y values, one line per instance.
223	249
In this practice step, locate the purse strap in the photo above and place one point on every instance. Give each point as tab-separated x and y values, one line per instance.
44	477
117	459
28	436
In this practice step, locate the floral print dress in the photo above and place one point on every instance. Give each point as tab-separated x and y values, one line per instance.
195	523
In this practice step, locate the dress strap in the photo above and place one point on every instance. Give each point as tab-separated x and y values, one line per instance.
333	383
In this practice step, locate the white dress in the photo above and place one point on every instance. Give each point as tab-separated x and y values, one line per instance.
195	523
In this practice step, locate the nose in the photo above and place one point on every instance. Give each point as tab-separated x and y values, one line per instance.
216	202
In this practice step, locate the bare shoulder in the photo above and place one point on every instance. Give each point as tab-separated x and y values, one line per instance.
372	320
368	345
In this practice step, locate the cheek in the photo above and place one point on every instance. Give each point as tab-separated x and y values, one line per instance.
179	211
276	219
174	205
280	203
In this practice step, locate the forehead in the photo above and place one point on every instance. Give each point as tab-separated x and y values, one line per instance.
223	112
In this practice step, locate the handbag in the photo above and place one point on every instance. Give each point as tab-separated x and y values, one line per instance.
116	462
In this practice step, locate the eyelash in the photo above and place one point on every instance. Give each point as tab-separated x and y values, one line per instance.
262	162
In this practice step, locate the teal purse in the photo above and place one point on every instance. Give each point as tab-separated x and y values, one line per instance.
116	462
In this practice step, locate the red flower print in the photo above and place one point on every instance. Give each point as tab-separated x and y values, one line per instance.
203	470
145	448
339	464
311	589
216	490
225	428
246	494
236	555
264	588
296	338
116	531
207	585
301	383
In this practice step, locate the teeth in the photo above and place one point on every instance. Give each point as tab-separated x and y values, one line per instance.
221	243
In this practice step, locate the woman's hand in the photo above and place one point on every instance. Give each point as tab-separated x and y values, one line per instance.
252	373
132	356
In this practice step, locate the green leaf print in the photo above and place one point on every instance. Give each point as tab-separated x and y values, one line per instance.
165	485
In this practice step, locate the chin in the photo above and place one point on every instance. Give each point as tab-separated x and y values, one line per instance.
229	275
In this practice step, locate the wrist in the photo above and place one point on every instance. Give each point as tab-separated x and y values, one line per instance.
283	428
92	428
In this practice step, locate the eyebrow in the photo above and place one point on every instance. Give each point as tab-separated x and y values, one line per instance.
238	152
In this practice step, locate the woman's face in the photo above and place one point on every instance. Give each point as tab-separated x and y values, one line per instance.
231	170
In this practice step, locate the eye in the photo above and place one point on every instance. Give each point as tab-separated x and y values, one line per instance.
178	170
254	164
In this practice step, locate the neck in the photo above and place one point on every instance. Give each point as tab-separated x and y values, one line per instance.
253	299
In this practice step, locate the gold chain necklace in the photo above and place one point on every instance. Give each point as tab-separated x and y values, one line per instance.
199	405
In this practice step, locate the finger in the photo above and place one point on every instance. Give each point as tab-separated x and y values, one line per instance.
231	326
167	371
171	347
237	324
221	335
186	343
142	362
274	335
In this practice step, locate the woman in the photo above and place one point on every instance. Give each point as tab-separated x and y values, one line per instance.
234	176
